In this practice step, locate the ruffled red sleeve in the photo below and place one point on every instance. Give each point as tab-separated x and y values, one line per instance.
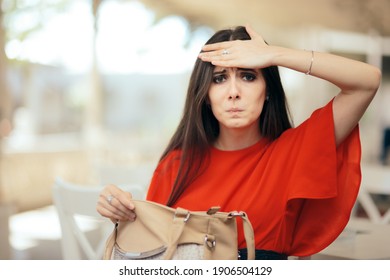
326	182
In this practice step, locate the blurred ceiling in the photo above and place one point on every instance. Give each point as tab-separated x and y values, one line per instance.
361	16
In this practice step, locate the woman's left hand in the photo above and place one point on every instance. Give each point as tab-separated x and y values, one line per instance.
251	54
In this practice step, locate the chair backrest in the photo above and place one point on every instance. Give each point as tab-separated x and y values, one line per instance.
79	220
375	181
84	231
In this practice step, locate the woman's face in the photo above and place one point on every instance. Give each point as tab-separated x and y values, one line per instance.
237	97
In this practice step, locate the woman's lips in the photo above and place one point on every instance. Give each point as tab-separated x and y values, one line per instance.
234	110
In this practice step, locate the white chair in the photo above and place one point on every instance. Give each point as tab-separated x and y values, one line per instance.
80	223
375	180
84	231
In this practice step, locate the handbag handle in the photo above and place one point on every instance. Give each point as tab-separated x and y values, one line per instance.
179	220
249	237
248	233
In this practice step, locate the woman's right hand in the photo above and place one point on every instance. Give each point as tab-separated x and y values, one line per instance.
115	204
251	54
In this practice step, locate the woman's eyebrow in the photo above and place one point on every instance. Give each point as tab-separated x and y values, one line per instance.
223	71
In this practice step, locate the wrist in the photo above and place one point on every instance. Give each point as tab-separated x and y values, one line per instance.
277	55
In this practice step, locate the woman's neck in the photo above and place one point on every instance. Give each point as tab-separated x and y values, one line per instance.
231	140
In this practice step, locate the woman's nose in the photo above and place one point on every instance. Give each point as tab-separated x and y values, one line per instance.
234	97
234	92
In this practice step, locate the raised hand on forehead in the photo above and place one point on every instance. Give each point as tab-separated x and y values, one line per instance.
254	53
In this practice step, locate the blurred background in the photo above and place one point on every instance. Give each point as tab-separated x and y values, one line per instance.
91	90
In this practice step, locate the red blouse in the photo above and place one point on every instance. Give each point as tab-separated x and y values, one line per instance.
298	191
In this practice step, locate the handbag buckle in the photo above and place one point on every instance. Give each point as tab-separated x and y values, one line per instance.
210	241
179	212
236	214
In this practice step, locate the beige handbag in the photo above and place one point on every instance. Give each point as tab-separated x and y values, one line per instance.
161	232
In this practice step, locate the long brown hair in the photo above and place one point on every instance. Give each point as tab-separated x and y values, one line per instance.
198	128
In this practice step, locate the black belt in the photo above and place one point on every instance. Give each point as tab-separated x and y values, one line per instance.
262	255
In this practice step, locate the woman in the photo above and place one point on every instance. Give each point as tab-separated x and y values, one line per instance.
235	146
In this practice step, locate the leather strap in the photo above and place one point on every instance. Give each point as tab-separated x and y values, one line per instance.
249	237
179	220
248	232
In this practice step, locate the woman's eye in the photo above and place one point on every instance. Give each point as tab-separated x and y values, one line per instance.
248	77
219	79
